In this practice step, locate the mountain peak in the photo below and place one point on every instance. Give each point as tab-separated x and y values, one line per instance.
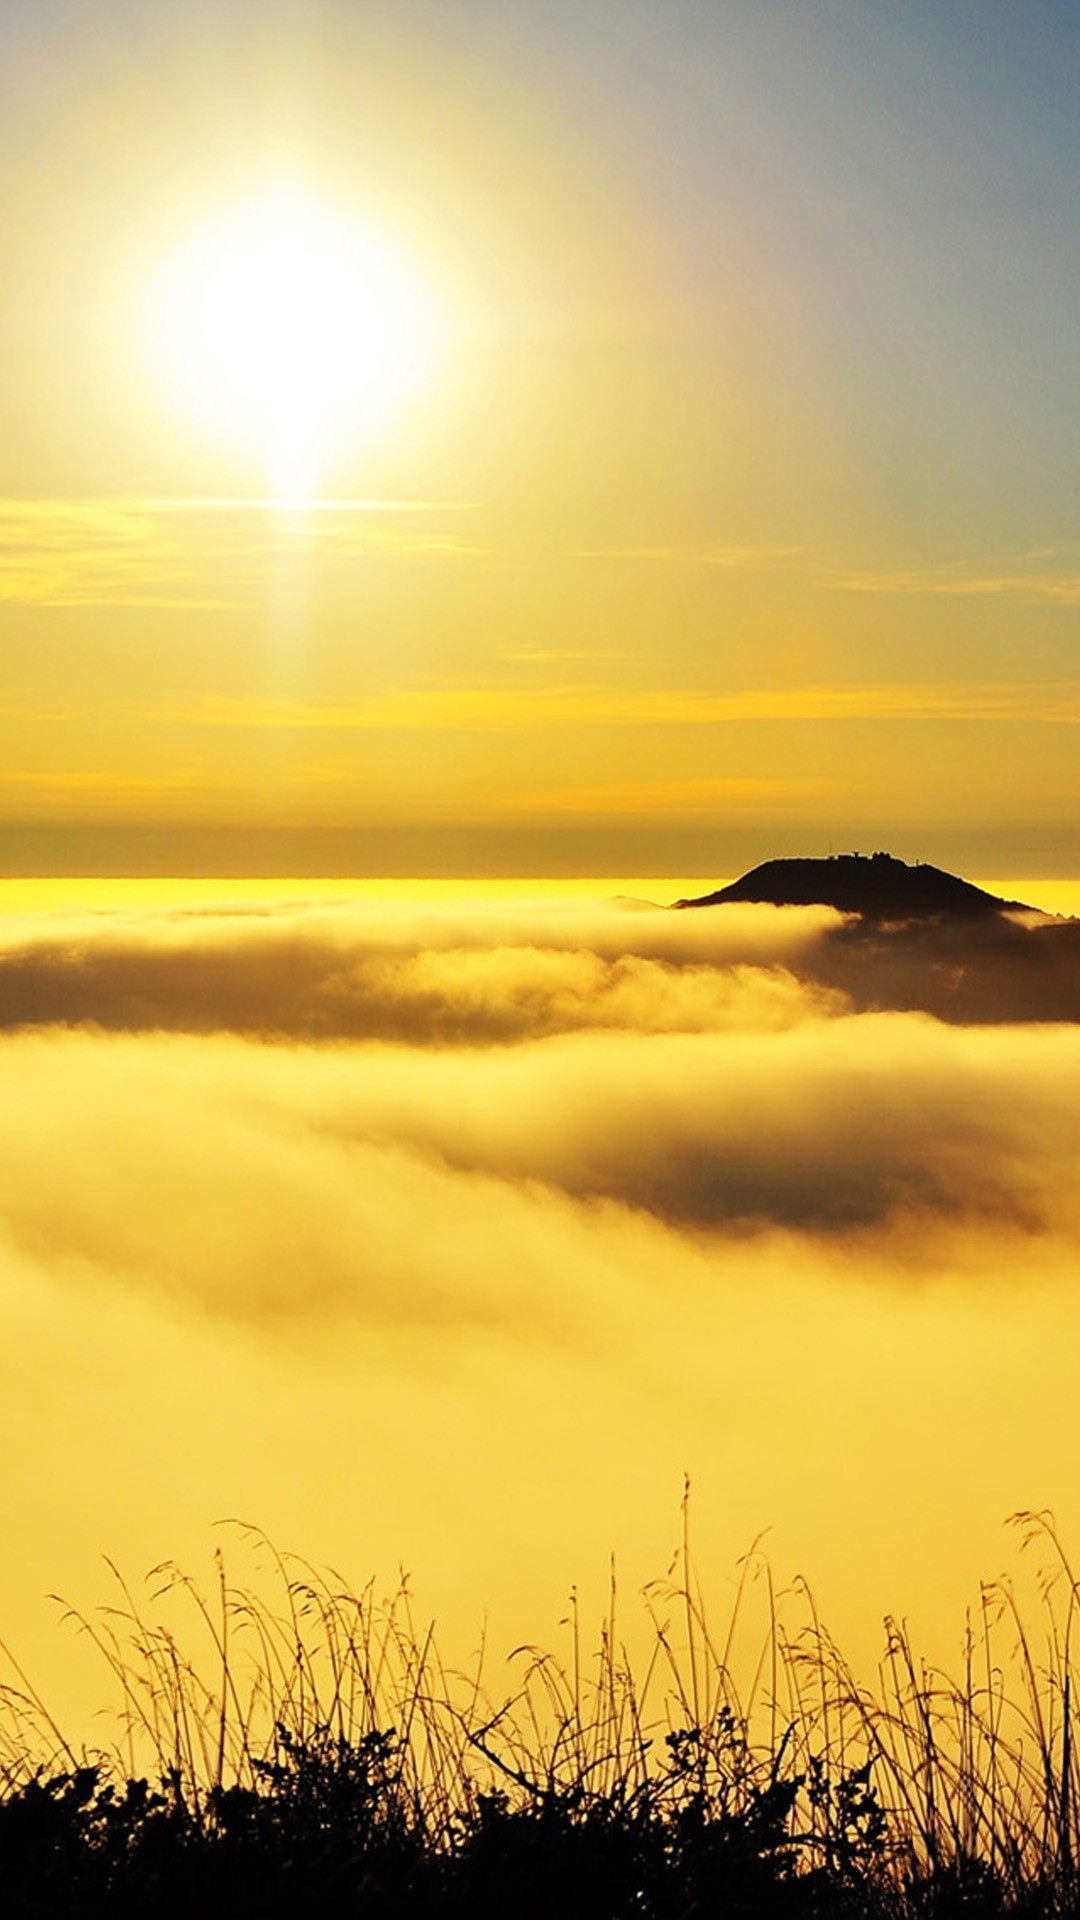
877	885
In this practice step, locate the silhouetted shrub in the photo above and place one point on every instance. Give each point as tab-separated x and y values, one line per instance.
331	1764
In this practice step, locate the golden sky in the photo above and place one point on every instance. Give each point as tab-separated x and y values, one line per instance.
732	516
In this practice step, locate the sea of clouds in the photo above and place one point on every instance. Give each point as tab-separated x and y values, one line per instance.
454	1234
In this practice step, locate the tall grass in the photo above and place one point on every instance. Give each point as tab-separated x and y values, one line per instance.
290	1744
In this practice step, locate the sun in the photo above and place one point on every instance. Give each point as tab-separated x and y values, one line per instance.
291	332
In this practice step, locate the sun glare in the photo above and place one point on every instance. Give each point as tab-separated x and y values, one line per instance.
292	332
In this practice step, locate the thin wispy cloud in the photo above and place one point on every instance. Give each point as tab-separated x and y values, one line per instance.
1047	589
749	554
735	793
486	707
1023	581
1026	580
198	553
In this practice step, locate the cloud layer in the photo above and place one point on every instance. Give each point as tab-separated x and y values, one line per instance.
418	1233
464	976
709	1071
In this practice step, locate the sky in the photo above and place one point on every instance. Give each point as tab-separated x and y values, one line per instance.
735	515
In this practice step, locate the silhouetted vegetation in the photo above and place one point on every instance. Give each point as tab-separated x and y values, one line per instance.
314	1755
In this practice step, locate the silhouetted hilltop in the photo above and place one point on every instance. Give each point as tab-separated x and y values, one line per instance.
875	885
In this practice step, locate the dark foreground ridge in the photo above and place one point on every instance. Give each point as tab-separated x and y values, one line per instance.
877	886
